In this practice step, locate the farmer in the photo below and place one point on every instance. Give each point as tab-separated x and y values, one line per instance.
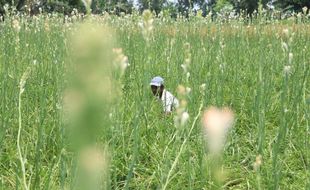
168	100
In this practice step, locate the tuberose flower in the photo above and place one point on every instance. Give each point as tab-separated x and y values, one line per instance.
216	123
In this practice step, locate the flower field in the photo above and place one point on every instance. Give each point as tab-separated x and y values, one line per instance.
77	111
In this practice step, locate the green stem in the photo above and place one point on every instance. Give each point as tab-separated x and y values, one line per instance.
181	149
22	163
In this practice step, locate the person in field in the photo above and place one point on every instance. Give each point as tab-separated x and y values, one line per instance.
169	102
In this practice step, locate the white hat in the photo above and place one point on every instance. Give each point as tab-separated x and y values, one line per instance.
157	81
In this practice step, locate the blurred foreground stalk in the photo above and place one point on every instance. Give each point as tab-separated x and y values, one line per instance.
216	123
87	101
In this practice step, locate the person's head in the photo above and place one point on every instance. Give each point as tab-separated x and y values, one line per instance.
157	86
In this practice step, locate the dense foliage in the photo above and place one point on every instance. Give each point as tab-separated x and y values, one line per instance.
174	7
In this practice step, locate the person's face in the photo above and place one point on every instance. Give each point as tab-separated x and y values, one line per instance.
155	90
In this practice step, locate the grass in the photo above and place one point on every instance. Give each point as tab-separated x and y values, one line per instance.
244	66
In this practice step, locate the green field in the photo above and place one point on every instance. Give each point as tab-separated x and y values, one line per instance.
260	70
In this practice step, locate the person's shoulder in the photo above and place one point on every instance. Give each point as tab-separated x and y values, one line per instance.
168	93
172	99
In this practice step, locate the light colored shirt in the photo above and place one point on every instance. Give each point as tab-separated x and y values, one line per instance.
169	101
